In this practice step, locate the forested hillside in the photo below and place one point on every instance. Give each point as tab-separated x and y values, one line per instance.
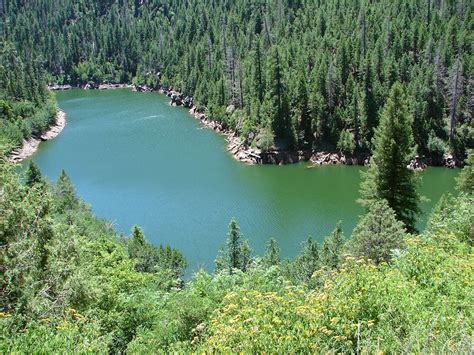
299	74
26	106
358	76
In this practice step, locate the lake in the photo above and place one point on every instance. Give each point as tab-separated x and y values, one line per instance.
137	160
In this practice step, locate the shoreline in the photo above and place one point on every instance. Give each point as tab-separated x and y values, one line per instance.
31	145
254	156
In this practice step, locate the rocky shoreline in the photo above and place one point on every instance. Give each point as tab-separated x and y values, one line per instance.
30	146
249	155
90	86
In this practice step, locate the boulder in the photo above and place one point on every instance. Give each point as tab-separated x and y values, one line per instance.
144	88
188	101
450	161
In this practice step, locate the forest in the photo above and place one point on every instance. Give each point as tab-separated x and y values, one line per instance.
284	75
389	77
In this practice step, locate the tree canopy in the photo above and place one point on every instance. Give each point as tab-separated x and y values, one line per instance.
317	73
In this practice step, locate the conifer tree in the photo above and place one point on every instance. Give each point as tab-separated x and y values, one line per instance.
65	193
137	235
388	176
307	262
33	175
272	253
377	234
245	255
370	104
237	253
258	79
233	245
277	101
332	248
301	112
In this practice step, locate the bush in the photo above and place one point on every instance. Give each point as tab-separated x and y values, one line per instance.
74	334
346	143
265	139
453	215
377	234
436	147
420	304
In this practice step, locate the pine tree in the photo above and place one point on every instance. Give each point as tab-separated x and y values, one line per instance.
237	253
65	193
301	112
272	253
308	261
258	79
332	248
388	176
137	236
277	101
233	245
245	255
33	175
377	234
454	92
370	104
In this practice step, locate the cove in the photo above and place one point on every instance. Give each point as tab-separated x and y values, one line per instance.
137	160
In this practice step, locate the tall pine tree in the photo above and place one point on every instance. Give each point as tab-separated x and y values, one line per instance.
388	176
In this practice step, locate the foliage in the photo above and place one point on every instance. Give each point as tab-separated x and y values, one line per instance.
27	108
363	308
69	284
297	75
306	70
388	176
237	254
302	268
378	234
436	147
184	314
466	177
33	175
154	259
73	333
332	248
453	215
272	254
55	256
346	143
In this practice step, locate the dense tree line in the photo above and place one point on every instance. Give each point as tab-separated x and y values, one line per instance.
300	74
26	106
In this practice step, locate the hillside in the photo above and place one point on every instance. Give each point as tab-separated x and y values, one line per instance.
284	75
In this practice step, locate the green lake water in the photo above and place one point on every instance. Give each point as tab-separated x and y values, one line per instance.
136	160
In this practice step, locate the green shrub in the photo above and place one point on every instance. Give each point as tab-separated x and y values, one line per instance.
436	147
346	143
377	234
420	304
